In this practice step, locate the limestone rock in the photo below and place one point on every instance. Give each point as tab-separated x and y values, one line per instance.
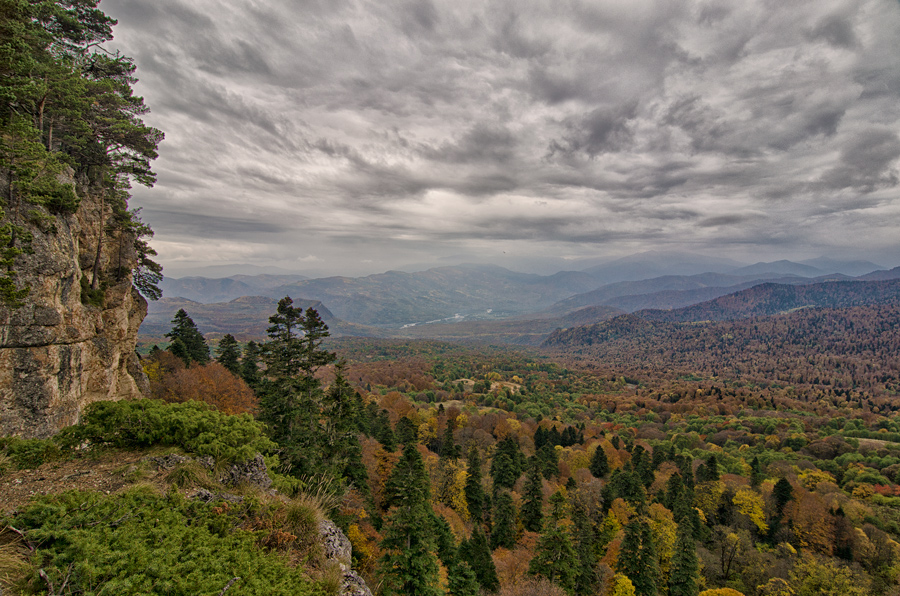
251	472
338	548
56	354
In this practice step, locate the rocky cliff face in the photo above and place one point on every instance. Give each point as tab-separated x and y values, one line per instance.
58	354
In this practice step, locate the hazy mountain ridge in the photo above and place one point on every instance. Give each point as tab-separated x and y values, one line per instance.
246	317
760	301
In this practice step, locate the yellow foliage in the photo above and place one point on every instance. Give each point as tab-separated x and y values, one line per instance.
708	497
812	478
721	592
749	503
428	430
621	586
664	532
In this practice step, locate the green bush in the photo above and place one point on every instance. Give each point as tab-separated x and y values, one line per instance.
142	542
193	426
28	453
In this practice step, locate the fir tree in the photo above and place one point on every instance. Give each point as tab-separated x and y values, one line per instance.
250	365
477	553
533	501
409	566
461	580
185	330
228	354
555	558
473	490
585	542
684	575
637	557
599	466
503	532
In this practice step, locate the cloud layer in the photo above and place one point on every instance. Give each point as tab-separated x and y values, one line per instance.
359	135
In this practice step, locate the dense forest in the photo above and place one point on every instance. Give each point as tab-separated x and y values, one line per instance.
758	456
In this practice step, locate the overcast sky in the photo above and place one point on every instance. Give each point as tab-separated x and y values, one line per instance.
354	136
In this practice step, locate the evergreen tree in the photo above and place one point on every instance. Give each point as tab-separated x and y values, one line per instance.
637	557
507	465
599	466
461	580
473	490
228	354
341	451
533	501
549	460
291	397
684	576
406	431
756	474
476	552
409	566
585	555
555	558
503	532
185	330
250	365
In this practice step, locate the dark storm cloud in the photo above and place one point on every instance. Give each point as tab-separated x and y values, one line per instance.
572	128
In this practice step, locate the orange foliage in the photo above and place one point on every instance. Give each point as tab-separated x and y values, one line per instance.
212	383
512	565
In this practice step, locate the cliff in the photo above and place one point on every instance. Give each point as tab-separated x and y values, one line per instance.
57	354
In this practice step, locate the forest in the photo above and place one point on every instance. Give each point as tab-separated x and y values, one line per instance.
759	456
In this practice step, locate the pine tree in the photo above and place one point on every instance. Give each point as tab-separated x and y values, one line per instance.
250	365
409	566
533	501
228	354
599	466
461	580
555	558
477	553
637	557
585	542
185	330
684	575
291	397
474	490
503	532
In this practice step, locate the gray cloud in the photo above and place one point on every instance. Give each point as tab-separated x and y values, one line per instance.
355	130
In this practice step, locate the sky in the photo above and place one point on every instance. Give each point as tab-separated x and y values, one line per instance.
355	136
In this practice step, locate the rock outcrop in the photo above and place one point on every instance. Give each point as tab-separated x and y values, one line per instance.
58	354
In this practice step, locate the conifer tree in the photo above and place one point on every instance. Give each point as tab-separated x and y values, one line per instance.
473	490
461	580
684	575
185	330
291	397
409	566
637	557
477	553
250	365
533	501
585	542
503	532
599	466
228	354
555	558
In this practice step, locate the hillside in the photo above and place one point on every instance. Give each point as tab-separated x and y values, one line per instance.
246	318
770	299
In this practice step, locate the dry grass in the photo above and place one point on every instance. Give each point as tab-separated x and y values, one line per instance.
14	565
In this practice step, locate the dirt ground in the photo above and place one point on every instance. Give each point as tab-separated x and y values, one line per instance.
107	473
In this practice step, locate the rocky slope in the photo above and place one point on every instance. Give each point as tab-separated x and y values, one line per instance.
56	353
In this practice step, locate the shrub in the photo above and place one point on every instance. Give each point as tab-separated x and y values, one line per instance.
193	426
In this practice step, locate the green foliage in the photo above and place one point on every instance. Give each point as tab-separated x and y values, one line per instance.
29	453
193	426
684	575
191	345
503	532
228	354
637	557
141	542
477	553
556	558
473	490
89	296
599	466
533	499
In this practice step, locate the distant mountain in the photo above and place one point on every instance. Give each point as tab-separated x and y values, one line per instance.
207	290
398	298
881	275
782	268
706	286
851	268
246	317
659	263
762	300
